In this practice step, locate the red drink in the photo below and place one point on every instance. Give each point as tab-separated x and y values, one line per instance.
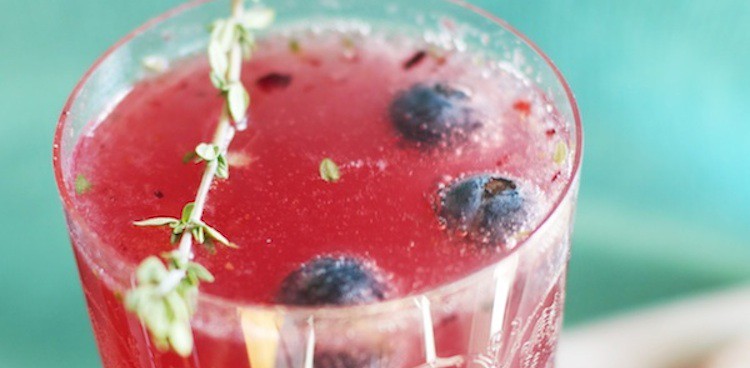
331	95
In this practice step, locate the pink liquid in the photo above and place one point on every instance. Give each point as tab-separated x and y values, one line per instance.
276	207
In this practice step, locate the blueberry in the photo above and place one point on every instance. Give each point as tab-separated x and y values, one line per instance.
332	280
341	359
431	113
488	208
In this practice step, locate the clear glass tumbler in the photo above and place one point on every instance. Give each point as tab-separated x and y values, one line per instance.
506	315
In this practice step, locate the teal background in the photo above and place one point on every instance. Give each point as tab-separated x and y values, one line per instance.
664	208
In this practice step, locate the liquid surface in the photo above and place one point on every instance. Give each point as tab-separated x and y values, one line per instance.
327	98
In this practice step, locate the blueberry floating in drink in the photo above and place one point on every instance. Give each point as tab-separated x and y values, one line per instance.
433	112
488	208
332	280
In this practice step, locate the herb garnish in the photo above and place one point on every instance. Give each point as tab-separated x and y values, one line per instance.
166	291
329	171
82	184
561	152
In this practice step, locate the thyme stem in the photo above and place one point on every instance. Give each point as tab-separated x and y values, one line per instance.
222	138
165	295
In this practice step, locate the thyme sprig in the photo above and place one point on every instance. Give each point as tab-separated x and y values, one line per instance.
199	230
166	292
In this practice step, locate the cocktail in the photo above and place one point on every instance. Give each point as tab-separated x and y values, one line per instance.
402	189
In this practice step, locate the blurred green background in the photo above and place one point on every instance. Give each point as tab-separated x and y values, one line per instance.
664	209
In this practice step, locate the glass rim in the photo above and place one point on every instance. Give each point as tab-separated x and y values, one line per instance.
370	308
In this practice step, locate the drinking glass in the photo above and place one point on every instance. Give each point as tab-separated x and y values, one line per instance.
505	315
